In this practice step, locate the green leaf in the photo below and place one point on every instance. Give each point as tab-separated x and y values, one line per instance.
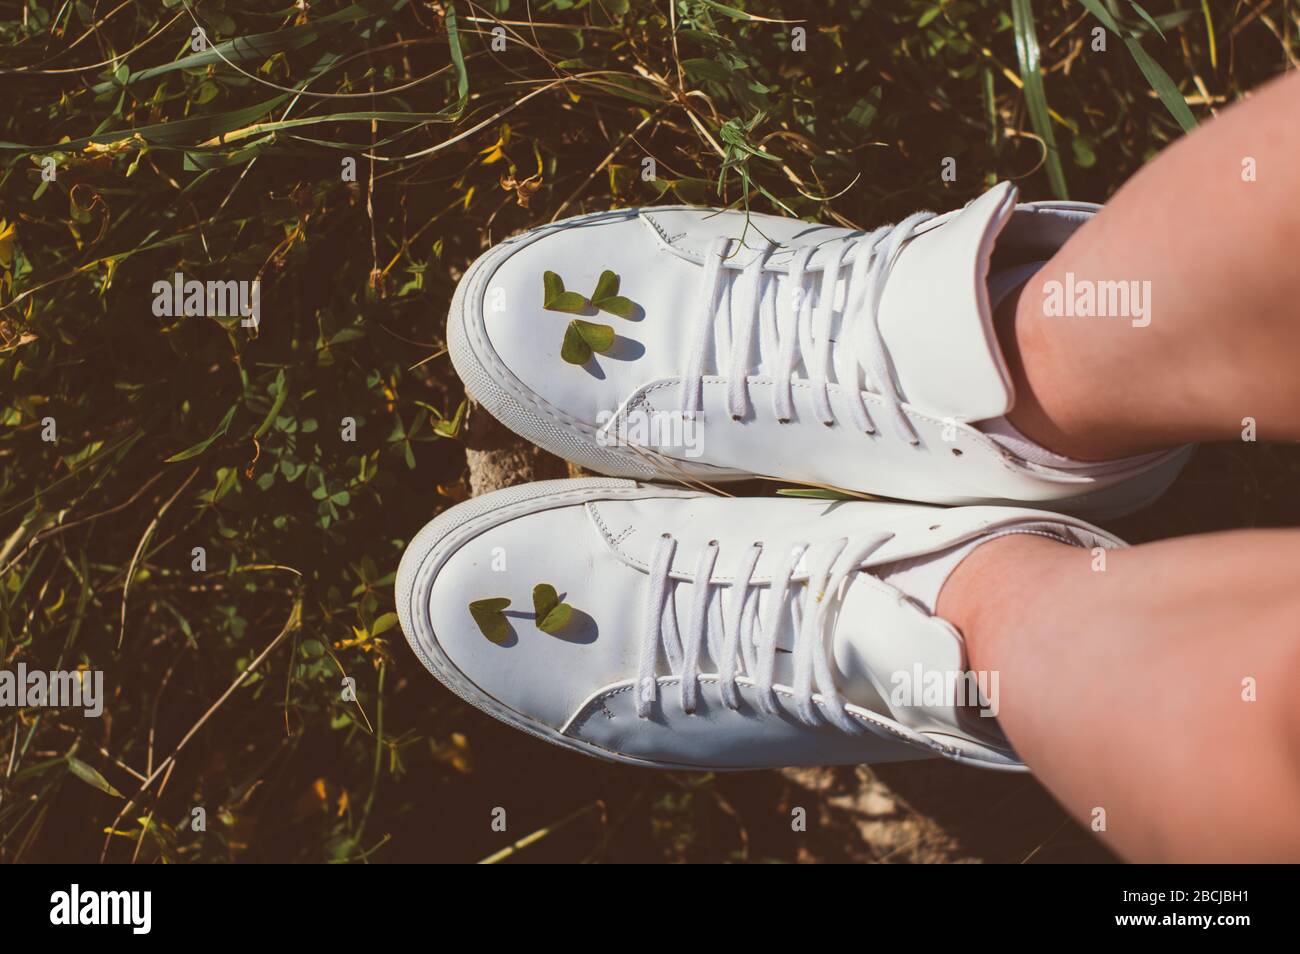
817	493
617	305
203	445
598	337
606	286
1040	118
281	392
260	46
91	777
457	60
1162	84
491	621
385	622
1146	16
552	615
574	350
703	69
864	110
607	298
450	427
552	286
1156	76
692	191
568	301
555	298
581	338
1085	157
737	14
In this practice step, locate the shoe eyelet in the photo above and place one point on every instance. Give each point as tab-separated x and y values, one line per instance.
934	526
828	423
956	452
783	420
737	418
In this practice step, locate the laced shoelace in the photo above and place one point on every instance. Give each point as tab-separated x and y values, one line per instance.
739	642
790	327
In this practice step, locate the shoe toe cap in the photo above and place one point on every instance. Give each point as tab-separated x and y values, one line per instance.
520	337
502	658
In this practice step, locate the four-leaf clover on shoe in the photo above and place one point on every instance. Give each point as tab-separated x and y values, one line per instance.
550	613
582	338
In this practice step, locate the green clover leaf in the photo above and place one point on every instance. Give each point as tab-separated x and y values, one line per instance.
552	615
491	621
581	338
555	298
607	298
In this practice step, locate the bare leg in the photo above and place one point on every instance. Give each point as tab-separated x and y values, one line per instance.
1126	689
1129	690
1224	336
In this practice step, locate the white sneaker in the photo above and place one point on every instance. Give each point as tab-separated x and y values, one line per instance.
722	346
642	664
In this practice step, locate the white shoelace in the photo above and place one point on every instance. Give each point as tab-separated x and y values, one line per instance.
791	327
739	642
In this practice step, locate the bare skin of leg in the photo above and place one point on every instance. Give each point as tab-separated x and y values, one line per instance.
1224	336
1126	689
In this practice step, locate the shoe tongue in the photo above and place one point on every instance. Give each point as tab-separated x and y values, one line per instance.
880	642
935	316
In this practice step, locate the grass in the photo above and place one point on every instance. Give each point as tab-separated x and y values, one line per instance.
354	158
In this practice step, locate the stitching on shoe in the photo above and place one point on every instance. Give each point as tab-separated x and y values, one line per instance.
484	352
426	571
610	538
647	216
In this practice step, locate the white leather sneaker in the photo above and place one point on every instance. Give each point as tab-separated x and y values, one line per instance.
718	346
660	626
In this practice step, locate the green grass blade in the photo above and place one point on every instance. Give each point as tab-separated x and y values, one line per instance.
1154	73
1022	16
261	46
458	61
1148	18
203	445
